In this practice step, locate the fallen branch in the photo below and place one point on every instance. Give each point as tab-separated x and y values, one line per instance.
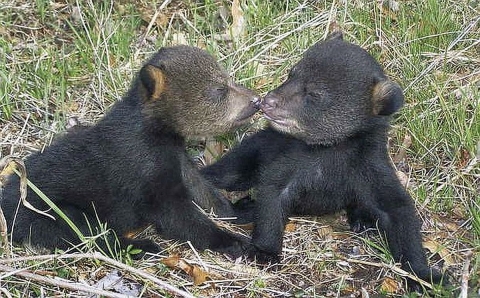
393	268
5	292
60	283
465	275
102	258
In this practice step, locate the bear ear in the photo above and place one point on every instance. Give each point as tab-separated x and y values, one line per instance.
337	34
387	98
152	79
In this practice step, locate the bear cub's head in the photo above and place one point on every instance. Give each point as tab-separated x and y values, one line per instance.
332	93
185	88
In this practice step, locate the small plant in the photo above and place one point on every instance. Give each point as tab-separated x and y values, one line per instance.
129	254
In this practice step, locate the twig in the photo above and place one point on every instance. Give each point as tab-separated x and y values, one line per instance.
61	283
5	292
150	25
465	275
393	268
364	293
195	252
110	261
3	234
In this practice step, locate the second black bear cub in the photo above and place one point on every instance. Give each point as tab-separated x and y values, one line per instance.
326	150
131	168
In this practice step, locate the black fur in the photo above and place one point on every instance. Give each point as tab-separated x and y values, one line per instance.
326	150
132	167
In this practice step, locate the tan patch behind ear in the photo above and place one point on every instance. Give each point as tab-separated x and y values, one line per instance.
158	81
378	93
387	97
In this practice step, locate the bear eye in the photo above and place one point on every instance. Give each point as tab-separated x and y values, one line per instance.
218	93
315	94
318	98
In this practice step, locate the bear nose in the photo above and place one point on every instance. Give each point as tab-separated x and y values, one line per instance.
256	101
270	102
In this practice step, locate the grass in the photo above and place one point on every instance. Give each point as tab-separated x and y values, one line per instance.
64	60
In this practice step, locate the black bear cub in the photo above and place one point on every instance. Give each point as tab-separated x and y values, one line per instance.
131	168
326	150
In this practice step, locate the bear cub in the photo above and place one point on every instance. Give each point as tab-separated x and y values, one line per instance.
326	150
131	169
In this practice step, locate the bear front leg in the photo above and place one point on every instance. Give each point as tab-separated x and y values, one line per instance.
183	220
402	231
271	214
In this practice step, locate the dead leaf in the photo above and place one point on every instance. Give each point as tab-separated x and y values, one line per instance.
348	290
213	150
147	15
334	27
8	169
325	232
263	82
237	29
57	6
403	178
402	152
171	262
185	266
199	276
76	14
290	227
448	223
391	4
459	212
112	60
175	262
464	158
179	38
4	32
72	122
73	106
114	280
259	68
389	285
390	9
434	247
